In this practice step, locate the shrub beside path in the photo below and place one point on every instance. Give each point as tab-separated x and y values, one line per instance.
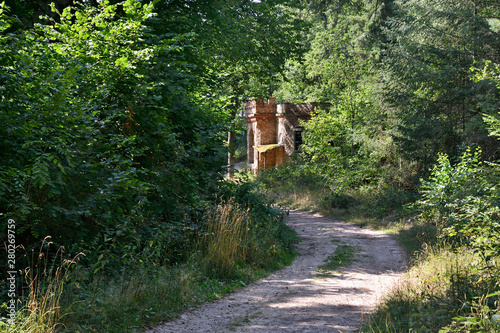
299	299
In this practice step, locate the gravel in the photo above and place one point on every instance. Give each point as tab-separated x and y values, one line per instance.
297	298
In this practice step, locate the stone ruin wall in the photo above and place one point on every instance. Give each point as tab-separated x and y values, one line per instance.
271	123
289	116
261	121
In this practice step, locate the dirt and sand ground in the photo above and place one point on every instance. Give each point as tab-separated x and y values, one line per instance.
298	298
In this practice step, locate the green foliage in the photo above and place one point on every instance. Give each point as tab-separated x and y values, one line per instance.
490	73
398	76
229	250
350	144
89	137
299	185
113	145
481	319
464	200
336	140
113	117
444	291
337	54
342	257
431	46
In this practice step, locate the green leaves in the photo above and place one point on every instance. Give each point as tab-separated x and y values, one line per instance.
339	142
431	46
464	201
102	130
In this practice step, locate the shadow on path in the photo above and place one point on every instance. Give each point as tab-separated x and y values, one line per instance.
296	299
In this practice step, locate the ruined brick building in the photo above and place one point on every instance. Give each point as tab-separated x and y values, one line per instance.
273	131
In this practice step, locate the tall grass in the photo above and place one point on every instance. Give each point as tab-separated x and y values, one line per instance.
230	247
441	292
132	301
226	237
297	185
39	311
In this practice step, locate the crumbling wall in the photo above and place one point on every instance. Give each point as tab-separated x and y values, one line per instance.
269	123
289	116
261	121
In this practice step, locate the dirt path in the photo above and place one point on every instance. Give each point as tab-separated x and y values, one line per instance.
296	299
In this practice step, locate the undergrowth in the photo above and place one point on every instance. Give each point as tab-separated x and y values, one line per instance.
298	186
450	231
445	290
377	206
238	240
454	285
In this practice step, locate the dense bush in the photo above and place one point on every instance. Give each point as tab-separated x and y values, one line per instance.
102	137
97	143
338	200
112	142
464	201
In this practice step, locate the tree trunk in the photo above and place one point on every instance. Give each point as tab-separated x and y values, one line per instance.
230	155
231	135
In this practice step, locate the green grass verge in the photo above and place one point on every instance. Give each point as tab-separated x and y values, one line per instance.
445	289
233	249
342	257
133	303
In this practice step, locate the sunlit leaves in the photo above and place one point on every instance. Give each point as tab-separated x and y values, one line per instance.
100	129
431	46
463	200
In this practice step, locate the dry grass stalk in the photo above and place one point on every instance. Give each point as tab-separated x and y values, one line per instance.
225	237
45	281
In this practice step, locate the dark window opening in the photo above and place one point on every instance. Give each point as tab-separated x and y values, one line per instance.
297	137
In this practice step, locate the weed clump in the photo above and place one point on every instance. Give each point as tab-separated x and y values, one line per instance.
343	256
225	239
39	305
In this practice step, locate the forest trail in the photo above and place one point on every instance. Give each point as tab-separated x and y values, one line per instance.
298	298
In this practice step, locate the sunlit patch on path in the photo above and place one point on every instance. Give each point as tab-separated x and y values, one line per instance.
296	299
